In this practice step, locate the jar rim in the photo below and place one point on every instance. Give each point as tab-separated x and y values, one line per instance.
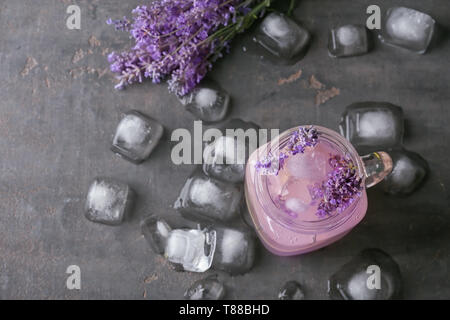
327	224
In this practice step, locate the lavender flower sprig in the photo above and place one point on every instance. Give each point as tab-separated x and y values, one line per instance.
268	166
338	192
178	40
302	138
298	142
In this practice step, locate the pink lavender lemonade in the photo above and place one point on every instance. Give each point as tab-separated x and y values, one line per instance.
312	193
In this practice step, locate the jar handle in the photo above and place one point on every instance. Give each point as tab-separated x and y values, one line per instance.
377	165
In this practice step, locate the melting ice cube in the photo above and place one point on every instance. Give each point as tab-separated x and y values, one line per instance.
203	197
408	28
348	40
371	275
373	125
208	102
409	170
282	37
136	136
235	250
291	291
187	249
192	249
108	201
209	288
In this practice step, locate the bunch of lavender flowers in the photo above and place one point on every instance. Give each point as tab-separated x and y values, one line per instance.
340	190
178	40
298	142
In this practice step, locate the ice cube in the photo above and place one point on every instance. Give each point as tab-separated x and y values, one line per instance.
206	198
282	37
291	291
296	205
156	232
225	159
136	136
235	250
208	102
192	249
370	126
295	196
409	170
240	139
371	275
209	288
108	201
309	165
357	287
407	28
348	40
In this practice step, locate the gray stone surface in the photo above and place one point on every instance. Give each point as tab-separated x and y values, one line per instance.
57	117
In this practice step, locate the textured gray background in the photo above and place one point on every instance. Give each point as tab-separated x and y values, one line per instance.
56	123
